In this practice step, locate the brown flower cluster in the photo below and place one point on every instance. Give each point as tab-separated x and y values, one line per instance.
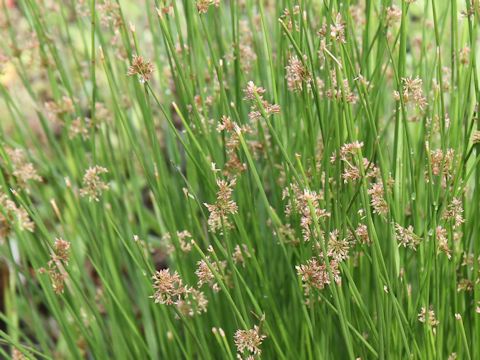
141	67
472	8
223	207
203	5
442	163
428	317
252	91
184	238
337	29
349	158
412	92
323	269
442	241
464	55
248	342
394	14
315	275
240	253
10	214
22	169
93	185
302	202
205	274
170	290
362	233
230	128
454	213
340	90
406	237
338	248
168	287
296	74
289	18
18	355
59	111
56	265
110	15
260	107
476	137
193	303
377	198
350	149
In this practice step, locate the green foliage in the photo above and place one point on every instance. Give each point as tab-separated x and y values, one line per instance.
212	179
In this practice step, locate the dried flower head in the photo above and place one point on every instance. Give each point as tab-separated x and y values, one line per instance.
18	355
351	163
110	15
394	13
302	203
428	317
464	55
248	342
61	250
11	214
442	241
442	162
168	286
454	212
315	274
337	247
252	91
412	92
203	5
170	290
476	137
337	29
289	18
192	303
340	90
205	274
240	253
56	271
232	131
472	8
223	207
362	233
141	67
377	198
296	74
185	240
347	151
406	236
259	108
465	285
93	185
22	169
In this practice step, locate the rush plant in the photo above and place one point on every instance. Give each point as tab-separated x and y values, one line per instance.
239	179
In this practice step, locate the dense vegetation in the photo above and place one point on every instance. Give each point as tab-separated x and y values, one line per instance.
277	179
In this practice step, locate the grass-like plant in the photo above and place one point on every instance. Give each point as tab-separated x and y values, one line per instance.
277	179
